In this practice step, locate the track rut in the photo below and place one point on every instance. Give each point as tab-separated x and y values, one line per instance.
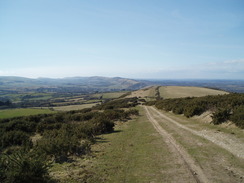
195	170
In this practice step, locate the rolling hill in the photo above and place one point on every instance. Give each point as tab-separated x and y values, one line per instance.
101	84
71	84
174	92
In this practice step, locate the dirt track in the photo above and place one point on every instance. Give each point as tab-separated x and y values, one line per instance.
233	145
206	165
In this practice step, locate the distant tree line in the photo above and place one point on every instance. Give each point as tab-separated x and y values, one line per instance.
5	103
224	107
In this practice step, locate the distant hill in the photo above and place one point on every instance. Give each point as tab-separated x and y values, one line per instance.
101	84
166	92
224	84
71	84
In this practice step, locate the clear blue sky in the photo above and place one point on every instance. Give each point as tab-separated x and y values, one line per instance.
128	38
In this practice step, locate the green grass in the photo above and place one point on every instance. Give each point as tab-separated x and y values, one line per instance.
134	154
9	113
17	97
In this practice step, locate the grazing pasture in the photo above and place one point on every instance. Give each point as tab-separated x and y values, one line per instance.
186	91
10	113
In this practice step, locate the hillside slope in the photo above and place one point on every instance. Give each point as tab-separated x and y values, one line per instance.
98	83
182	91
88	83
174	92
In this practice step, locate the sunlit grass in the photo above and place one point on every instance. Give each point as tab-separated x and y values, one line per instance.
9	113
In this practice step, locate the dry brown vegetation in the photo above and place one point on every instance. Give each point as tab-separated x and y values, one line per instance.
186	91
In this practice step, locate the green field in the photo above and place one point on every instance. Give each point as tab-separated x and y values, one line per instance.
28	96
9	113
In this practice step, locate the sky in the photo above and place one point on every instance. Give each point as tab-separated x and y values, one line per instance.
161	39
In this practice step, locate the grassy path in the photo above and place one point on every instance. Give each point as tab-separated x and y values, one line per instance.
212	159
193	171
136	153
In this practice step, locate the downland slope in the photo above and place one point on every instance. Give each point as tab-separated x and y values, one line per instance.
189	151
185	149
156	146
156	92
71	84
186	91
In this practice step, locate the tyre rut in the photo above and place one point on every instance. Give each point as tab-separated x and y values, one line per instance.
195	170
234	147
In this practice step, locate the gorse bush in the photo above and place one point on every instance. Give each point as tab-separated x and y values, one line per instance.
13	138
22	167
238	116
220	116
62	136
17	131
101	125
83	116
62	143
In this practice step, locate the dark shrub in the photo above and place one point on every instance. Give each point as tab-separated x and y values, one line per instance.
220	116
21	125
62	143
22	167
238	116
12	138
101	125
193	110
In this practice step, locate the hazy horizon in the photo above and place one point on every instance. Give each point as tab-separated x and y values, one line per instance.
156	39
146	79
